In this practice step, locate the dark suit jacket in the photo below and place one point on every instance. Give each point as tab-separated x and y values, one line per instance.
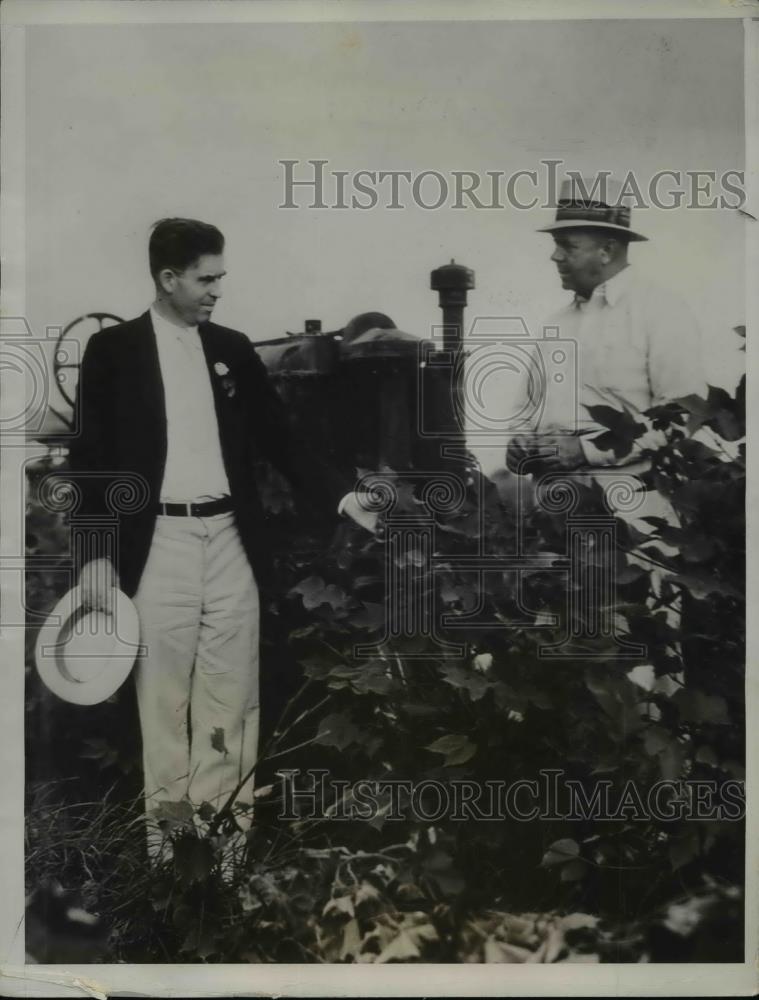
122	421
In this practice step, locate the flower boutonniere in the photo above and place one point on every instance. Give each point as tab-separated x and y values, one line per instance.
227	382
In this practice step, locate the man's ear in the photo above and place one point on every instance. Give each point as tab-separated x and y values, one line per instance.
166	280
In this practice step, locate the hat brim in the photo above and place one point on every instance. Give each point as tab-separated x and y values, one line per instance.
631	235
116	652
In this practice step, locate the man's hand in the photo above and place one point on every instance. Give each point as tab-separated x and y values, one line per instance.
356	510
97	581
549	452
520	448
568	453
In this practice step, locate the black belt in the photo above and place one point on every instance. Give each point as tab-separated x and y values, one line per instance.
220	506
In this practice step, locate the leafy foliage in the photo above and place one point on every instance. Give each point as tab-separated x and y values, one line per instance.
408	882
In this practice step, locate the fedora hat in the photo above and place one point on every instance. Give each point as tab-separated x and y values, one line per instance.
85	656
592	203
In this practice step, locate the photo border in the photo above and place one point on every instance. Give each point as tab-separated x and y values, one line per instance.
305	980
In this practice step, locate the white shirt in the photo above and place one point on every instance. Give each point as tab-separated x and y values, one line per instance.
634	342
194	464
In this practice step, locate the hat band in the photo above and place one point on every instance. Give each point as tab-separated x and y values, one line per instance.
593	212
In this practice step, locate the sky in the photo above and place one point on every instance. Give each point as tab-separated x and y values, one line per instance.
128	124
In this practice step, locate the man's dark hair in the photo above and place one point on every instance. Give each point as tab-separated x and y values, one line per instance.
177	243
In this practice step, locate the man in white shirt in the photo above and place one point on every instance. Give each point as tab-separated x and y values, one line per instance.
636	346
636	343
184	407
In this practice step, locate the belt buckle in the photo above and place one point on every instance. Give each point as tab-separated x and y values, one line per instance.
192	510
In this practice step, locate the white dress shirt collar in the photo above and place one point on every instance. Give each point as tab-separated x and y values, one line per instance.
164	326
609	292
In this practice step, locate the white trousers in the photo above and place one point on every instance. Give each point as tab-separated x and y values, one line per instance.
197	684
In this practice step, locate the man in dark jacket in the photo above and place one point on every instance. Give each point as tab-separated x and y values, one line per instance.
182	408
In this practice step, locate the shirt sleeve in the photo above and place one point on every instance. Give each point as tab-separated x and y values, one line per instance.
675	357
90	459
674	364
